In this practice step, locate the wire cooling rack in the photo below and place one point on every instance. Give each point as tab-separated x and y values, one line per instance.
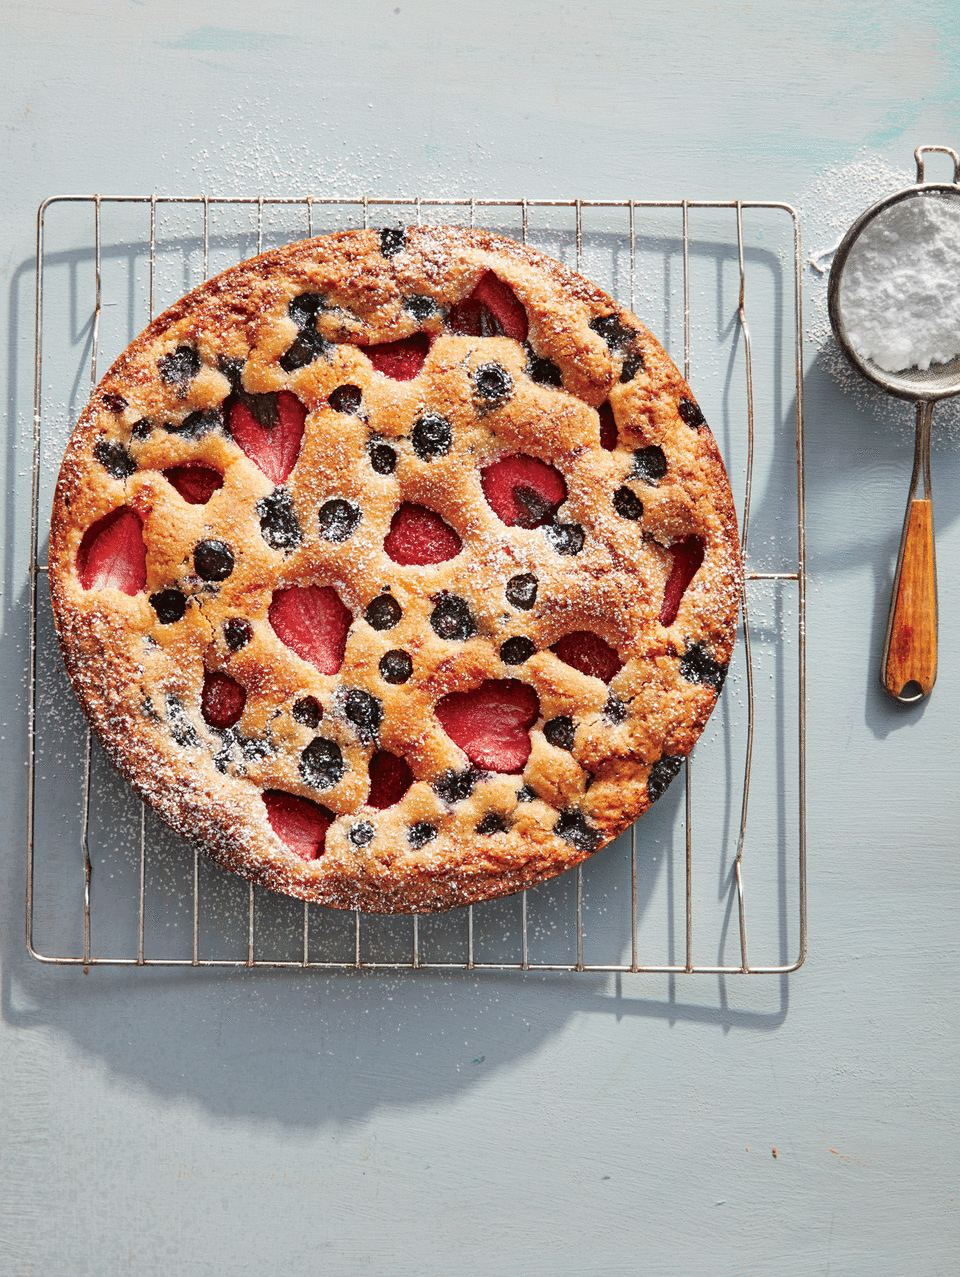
714	875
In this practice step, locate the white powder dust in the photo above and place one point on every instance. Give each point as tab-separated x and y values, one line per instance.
828	207
900	288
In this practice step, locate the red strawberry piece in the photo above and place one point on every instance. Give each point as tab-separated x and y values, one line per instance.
402	359
273	448
222	701
608	427
418	535
471	318
297	822
588	653
492	723
390	778
504	304
112	554
195	483
687	557
313	622
522	491
492	309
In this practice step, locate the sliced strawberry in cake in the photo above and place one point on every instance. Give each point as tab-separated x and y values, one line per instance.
492	723
299	824
272	445
687	558
112	554
420	536
313	622
492	309
523	491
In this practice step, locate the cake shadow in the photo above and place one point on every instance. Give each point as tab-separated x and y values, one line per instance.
304	1048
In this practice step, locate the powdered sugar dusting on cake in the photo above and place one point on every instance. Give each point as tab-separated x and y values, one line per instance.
577	540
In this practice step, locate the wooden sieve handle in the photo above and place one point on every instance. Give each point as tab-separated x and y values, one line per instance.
911	651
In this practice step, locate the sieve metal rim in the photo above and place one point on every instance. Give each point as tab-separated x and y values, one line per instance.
927	386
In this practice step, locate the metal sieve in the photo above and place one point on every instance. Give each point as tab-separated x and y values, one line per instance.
908	667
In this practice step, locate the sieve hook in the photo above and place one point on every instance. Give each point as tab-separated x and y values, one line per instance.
943	150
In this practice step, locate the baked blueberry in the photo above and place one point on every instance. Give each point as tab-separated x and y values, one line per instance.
364	711
631	366
321	763
196	424
237	632
212	560
279	526
560	731
613	331
492	386
383	459
525	794
361	834
522	591
141	429
615	710
691	414
383	613
516	650
421	833
533	507
649	464
115	459
573	828
307	712
662	773
543	370
627	504
492	823
113	402
304	309
346	399
169	606
181	729
432	436
338	519
565	538
420	306
393	240
179	367
255	747
454	787
451	619
308	347
396	666
698	666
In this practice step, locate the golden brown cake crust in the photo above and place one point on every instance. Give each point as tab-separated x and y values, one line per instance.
165	403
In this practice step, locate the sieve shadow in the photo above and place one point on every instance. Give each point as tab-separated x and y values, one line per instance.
863	452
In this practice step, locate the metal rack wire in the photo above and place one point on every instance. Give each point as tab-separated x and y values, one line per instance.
466	944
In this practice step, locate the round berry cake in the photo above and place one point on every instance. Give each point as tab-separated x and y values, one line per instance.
399	568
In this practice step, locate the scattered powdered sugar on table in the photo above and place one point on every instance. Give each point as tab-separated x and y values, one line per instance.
827	208
900	288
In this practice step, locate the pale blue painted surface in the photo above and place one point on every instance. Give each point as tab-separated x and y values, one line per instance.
419	1124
